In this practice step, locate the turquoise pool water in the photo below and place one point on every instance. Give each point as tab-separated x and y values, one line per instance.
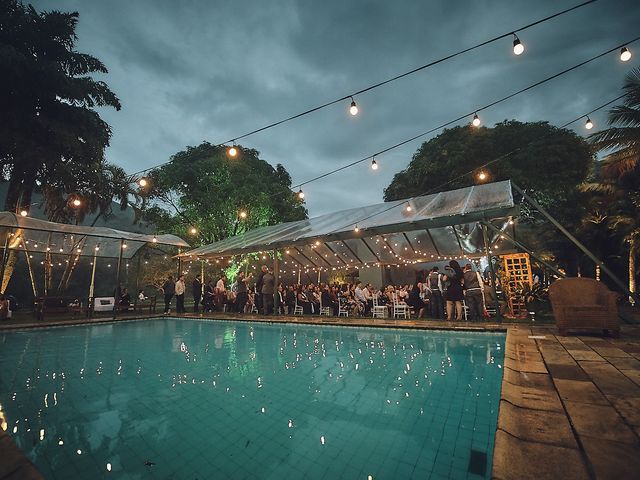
190	399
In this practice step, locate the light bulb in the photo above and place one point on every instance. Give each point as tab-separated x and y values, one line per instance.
589	124
143	182
76	202
353	109
482	176
193	230
124	245
408	208
300	194
233	151
243	214
24	213
155	239
476	120
374	165
625	54
518	47
357	229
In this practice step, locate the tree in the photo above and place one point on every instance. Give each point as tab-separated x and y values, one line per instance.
618	178
548	162
47	99
208	190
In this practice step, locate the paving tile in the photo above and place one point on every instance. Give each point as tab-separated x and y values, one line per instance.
629	408
527	379
579	391
525	366
585	354
610	351
612	460
518	459
633	375
533	398
609	379
568	372
536	425
599	421
625	363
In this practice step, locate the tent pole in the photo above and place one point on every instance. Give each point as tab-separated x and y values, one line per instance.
577	243
93	274
276	281
31	277
4	256
493	272
521	246
117	300
299	272
318	275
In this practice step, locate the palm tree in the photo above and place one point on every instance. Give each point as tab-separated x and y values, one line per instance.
619	174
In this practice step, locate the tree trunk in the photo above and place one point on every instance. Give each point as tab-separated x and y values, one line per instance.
632	267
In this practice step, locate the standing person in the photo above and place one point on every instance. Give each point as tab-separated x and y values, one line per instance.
169	290
241	288
454	295
221	294
473	293
197	292
258	298
435	289
360	298
268	288
180	288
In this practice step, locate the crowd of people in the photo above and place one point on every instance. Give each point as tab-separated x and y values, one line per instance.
438	295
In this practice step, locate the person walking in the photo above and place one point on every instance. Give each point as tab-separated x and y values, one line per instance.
197	292
454	295
169	290
473	293
268	289
242	291
180	288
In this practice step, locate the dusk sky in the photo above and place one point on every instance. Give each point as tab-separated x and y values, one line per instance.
193	71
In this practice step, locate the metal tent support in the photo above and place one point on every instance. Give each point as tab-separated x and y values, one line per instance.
576	242
117	300
276	281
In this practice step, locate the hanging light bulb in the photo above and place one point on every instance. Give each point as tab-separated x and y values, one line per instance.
356	228
155	239
482	176
518	47
300	194
76	202
589	124
408	207
193	230
23	213
124	245
625	54
233	151
476	120
243	214
143	182
353	109
374	165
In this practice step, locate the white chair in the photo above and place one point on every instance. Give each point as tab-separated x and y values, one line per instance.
378	311
400	309
298	310
104	304
343	310
324	310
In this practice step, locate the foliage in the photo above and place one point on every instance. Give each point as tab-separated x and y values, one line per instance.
47	98
208	189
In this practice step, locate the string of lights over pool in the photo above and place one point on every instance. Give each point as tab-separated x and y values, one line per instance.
475	120
518	49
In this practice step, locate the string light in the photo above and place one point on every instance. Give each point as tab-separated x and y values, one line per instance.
625	54
476	120
24	213
374	165
408	207
518	47
356	228
589	124
143	182
482	176
193	230
353	109
155	239
300	194
76	202
232	151
243	214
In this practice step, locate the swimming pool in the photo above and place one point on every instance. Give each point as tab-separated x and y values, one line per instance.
187	399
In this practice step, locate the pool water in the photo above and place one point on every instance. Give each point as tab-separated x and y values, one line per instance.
197	399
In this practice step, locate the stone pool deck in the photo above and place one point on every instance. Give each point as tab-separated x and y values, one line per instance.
570	405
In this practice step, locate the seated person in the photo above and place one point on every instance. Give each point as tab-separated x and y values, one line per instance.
303	301
125	300
141	296
4	307
415	302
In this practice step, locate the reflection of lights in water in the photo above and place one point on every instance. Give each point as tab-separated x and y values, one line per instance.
322	439
290	423
108	467
263	410
79	452
41	434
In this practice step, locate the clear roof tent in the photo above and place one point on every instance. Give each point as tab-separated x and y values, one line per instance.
34	235
417	229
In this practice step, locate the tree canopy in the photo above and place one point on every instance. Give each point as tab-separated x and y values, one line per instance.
208	190
47	97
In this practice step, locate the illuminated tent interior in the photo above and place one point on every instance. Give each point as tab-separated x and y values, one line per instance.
420	229
40	236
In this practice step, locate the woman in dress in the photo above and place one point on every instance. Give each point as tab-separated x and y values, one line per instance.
454	295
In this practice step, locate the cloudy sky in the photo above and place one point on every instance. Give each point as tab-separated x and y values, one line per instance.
194	70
